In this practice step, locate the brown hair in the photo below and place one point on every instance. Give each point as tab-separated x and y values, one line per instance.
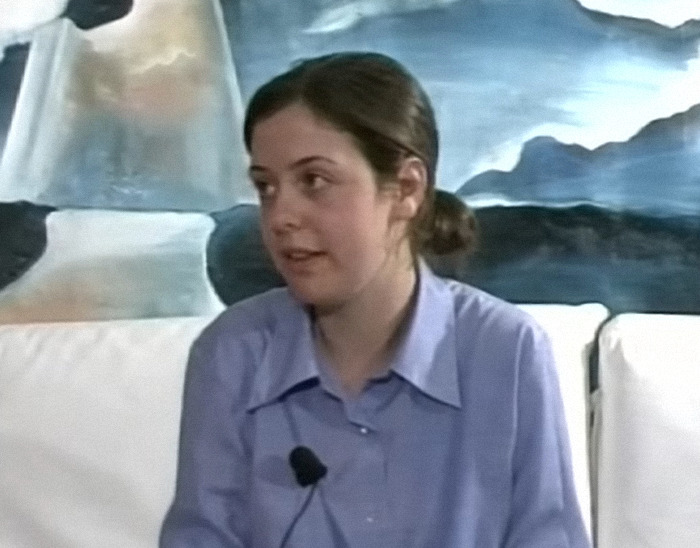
377	101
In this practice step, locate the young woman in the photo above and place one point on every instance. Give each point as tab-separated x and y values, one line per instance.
434	406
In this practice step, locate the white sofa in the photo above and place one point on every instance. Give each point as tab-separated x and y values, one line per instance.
89	415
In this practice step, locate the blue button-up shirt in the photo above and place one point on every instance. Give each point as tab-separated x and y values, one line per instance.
461	444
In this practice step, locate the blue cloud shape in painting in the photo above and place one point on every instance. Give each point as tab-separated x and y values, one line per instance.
508	24
347	14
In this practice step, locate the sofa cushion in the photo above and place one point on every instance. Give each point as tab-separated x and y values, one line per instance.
649	432
89	416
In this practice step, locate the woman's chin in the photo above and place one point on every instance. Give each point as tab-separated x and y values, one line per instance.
315	295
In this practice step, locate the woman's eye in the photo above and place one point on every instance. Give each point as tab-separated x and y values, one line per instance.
314	181
264	189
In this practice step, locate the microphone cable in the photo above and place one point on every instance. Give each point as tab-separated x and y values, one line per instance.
307	500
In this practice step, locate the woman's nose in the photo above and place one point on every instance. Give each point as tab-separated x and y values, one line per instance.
285	212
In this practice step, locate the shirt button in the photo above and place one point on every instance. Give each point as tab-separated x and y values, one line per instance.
370	519
364	431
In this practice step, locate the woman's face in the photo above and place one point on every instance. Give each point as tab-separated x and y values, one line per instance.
329	230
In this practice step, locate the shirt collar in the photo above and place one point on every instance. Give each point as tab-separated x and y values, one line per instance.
426	357
289	359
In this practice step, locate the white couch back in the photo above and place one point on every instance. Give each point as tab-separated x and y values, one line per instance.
648	430
89	416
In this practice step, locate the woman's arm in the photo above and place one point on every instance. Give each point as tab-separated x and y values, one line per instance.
209	509
545	511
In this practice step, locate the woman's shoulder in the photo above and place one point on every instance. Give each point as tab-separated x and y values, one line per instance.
496	341
478	311
253	319
229	353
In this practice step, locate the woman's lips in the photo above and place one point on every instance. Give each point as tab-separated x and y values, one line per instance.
301	259
301	255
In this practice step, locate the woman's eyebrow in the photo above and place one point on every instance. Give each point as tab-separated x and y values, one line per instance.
310	159
297	163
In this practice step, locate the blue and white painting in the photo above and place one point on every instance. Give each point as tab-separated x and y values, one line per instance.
572	128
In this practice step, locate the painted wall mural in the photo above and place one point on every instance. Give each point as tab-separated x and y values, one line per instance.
572	128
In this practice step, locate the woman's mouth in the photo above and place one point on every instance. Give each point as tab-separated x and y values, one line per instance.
300	255
301	258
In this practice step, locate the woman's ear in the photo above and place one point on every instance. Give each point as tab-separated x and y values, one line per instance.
412	179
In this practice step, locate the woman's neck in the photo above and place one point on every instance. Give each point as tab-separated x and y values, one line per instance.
358	337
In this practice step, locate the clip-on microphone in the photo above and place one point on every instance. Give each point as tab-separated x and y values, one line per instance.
308	470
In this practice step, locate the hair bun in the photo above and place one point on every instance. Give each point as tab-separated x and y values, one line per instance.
452	226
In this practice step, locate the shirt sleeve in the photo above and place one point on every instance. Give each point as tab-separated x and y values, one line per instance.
208	510
544	509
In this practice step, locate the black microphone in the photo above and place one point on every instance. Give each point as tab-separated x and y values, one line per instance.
308	470
307	467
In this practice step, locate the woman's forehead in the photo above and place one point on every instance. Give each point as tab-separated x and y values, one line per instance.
295	132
